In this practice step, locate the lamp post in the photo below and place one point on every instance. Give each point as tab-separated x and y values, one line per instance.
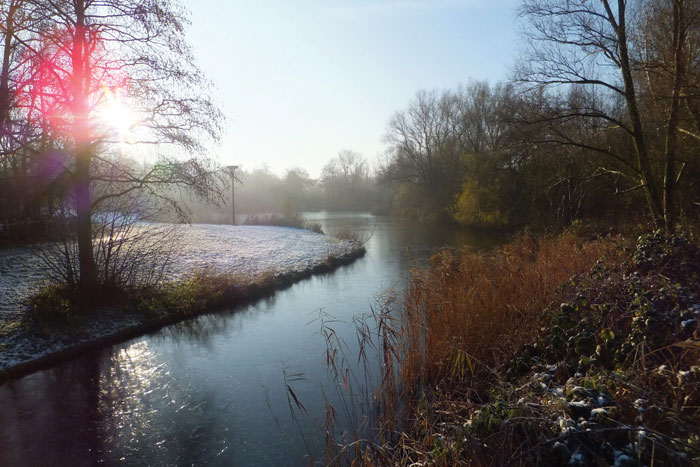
232	171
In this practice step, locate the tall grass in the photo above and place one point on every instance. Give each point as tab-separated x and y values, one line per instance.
467	313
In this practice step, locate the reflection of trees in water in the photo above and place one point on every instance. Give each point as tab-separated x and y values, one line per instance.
63	417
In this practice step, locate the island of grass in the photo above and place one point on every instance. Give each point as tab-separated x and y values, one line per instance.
208	268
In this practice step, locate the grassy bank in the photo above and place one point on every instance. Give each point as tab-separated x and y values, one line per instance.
553	351
58	327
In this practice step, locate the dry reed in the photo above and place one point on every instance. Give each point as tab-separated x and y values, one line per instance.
470	312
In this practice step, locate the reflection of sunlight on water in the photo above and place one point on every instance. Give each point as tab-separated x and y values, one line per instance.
136	370
151	415
134	378
140	361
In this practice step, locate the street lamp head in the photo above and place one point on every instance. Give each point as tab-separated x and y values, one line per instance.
232	167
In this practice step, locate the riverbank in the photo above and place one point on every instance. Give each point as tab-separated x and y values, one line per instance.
560	351
262	261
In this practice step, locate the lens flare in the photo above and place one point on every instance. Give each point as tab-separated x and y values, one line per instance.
116	114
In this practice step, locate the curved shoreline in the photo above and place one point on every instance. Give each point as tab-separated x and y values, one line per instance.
243	295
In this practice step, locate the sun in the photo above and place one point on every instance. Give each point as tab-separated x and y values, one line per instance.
116	114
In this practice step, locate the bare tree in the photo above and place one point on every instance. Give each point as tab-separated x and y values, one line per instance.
669	36
17	17
436	140
595	45
422	143
93	52
346	181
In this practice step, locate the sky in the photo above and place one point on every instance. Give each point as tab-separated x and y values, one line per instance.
300	80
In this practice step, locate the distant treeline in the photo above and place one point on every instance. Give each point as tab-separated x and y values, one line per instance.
346	183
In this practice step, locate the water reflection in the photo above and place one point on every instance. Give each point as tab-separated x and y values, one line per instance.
211	390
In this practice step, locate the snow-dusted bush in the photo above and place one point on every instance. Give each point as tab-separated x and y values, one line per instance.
129	251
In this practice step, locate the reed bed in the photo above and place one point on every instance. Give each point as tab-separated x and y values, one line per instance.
468	313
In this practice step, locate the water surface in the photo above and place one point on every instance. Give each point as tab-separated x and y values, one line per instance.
212	390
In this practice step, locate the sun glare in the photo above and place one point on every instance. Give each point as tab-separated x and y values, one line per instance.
116	114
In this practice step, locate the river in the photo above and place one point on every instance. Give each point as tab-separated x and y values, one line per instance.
212	390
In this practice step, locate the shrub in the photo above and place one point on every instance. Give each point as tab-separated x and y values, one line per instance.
356	233
52	306
129	252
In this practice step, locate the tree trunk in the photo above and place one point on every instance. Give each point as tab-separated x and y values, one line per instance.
5	73
679	37
644	166
83	156
83	202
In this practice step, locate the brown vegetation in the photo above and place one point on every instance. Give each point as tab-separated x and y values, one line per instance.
468	312
484	367
460	321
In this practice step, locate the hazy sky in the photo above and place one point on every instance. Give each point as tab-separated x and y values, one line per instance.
299	80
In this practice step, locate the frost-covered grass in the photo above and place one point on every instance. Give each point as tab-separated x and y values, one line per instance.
21	275
251	250
213	266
